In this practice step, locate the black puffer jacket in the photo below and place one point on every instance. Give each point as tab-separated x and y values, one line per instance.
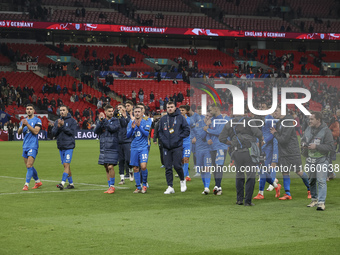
66	133
109	145
181	130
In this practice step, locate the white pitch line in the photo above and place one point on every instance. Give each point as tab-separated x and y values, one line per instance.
51	191
86	184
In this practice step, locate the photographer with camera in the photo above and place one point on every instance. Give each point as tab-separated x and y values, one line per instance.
317	143
246	153
108	128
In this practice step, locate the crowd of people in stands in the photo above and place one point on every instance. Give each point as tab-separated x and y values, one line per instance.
17	56
15	95
105	64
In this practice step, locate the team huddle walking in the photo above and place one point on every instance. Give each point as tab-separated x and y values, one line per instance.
124	135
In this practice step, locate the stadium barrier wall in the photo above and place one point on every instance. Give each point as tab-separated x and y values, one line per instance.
80	135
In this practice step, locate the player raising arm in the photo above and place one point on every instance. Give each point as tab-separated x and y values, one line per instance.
107	129
30	127
138	129
64	130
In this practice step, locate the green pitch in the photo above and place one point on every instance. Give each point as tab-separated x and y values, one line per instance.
86	221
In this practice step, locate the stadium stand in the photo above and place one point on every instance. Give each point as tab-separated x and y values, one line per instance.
263	56
103	52
314	8
74	3
257	24
33	51
183	21
4	60
15	16
160	89
165	5
324	27
205	57
30	79
91	17
238	7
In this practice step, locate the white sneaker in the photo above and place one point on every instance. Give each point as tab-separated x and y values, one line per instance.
215	190
313	203
321	207
176	175
206	191
271	187
121	182
183	186
131	176
219	191
162	166
169	190
197	175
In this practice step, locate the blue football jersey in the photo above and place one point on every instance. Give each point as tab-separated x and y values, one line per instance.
148	123
186	141
201	142
214	131
139	134
31	140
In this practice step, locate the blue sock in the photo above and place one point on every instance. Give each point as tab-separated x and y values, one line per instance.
70	180
29	174
112	181
305	180
65	175
286	184
207	180
108	182
273	174
203	179
270	180
145	176
186	169
137	179
262	182
35	174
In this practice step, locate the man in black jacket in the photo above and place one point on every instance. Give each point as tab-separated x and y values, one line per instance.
64	130
173	128
107	127
289	152
125	146
155	137
243	141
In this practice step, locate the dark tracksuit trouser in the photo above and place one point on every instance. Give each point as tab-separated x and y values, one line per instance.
160	146
124	157
243	159
171	158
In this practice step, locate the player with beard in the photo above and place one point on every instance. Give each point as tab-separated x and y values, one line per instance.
30	127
